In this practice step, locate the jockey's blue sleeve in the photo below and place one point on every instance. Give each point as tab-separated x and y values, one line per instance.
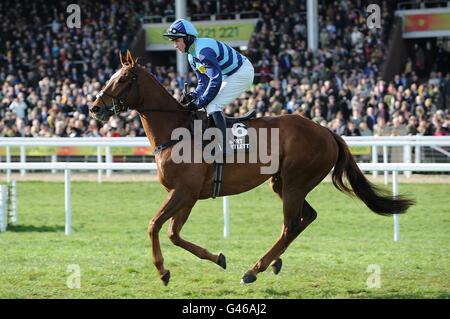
210	78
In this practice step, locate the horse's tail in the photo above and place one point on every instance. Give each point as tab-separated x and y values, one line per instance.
374	198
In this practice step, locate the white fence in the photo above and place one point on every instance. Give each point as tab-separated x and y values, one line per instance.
407	143
68	167
99	143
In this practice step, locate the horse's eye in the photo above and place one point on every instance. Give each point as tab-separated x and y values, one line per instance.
122	79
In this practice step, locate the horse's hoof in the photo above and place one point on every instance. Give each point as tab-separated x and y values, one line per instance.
248	278
276	266
165	278
222	261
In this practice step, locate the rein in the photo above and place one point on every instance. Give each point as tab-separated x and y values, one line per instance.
164	110
118	104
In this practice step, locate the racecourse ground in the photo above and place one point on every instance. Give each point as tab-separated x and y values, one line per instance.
329	260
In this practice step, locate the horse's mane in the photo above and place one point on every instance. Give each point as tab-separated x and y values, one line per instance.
163	89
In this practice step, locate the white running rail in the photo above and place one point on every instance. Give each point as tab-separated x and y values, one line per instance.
68	167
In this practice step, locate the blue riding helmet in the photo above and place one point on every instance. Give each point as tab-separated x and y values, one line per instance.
179	29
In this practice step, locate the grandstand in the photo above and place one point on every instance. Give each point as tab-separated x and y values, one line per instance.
359	81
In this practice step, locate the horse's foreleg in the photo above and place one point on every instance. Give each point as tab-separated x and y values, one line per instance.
174	230
292	210
174	202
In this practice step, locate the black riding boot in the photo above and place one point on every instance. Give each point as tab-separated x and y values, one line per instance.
219	121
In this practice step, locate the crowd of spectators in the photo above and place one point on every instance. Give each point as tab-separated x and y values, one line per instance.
50	73
340	86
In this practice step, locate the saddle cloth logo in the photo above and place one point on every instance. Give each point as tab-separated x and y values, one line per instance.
240	140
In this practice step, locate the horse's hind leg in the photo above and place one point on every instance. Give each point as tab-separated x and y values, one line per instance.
308	216
293	202
276	185
174	230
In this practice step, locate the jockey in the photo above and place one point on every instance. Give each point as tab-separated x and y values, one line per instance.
223	73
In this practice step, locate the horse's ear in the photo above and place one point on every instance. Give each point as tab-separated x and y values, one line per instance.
121	58
130	58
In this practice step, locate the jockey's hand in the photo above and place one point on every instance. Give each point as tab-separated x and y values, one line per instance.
187	97
189	100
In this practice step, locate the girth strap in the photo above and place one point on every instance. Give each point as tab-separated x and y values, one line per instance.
163	146
217	179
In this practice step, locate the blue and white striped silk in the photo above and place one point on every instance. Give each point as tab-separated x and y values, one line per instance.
212	61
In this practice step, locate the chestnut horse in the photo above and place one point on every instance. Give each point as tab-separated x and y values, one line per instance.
307	153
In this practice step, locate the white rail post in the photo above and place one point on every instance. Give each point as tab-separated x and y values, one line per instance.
67	203
3	207
407	158
13	196
385	160
417	155
395	194
23	159
108	159
226	217
54	160
8	160
374	159
99	160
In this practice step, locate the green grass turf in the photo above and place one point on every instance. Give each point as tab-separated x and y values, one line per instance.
329	259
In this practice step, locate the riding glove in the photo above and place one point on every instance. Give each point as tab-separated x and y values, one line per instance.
189	100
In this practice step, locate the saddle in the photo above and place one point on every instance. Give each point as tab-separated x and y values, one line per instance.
206	123
240	140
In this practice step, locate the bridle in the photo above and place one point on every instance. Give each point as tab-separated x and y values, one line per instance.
118	104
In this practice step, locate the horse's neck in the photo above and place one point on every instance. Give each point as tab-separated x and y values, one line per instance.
158	126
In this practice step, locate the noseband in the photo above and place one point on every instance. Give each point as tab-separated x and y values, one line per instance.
118	104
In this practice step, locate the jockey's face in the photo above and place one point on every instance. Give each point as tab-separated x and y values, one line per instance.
179	45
